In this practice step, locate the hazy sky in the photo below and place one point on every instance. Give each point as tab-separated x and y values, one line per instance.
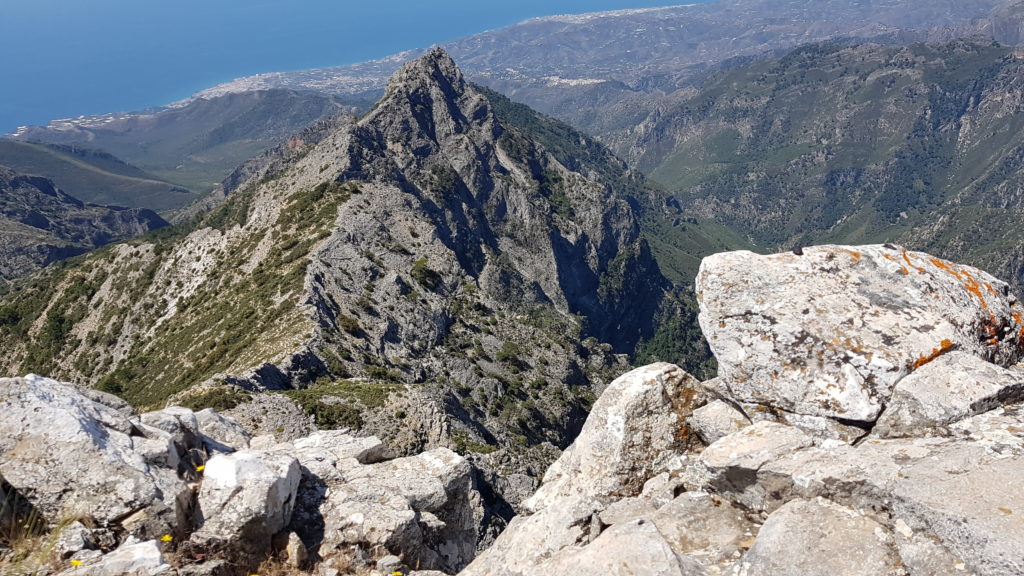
62	58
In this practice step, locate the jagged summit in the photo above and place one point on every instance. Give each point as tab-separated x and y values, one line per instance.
435	67
428	104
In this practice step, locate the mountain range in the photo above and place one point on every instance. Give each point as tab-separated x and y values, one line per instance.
42	224
448	269
401	249
599	72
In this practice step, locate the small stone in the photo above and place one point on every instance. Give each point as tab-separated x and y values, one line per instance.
390	563
716	420
296	551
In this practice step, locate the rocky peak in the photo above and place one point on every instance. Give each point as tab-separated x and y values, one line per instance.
436	68
428	101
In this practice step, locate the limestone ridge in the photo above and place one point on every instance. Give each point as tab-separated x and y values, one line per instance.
42	224
443	259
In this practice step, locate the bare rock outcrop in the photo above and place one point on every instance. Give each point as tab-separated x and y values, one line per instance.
831	331
417	508
72	457
838	439
246	498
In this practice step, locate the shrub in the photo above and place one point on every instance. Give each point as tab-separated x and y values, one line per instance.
427	277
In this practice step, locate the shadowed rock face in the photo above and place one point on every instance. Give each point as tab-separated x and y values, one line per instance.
39	224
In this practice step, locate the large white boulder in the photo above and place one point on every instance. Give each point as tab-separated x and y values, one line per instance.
636	430
830	331
131	559
246	498
71	456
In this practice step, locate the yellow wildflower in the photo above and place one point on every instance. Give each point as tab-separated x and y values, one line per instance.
200	468
166	538
76	562
396	573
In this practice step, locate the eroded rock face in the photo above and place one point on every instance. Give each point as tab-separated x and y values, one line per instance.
953	387
831	331
819	538
138	559
633	434
633	429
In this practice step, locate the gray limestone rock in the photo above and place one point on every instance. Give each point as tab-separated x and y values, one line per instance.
831	332
220	433
635	548
716	420
954	386
706	528
245	498
633	434
820	538
73	457
632	431
954	490
417	508
732	464
133	559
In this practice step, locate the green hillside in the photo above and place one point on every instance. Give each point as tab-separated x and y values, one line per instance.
94	176
918	145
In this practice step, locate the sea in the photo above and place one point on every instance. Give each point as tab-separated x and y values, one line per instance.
66	58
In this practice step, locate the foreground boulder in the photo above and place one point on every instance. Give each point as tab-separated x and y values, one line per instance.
766	476
634	433
73	457
418	509
246	498
830	331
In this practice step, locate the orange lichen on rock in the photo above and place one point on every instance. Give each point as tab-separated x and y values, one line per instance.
944	346
968	281
906	257
855	256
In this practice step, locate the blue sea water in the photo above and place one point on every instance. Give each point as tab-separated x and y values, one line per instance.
64	58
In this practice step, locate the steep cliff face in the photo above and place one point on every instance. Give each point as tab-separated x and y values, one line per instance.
426	272
40	224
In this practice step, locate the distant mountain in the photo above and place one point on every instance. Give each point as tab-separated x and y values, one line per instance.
601	72
196	143
93	175
918	145
40	224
